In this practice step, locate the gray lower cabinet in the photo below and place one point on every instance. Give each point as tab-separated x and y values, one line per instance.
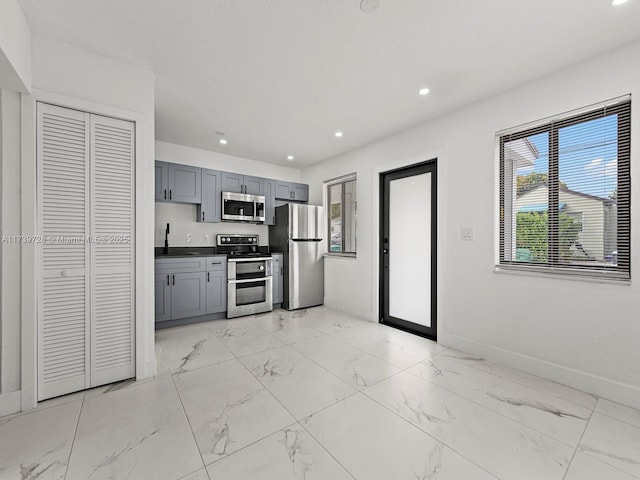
298	192
216	285
210	209
163	297
188	295
190	287
277	278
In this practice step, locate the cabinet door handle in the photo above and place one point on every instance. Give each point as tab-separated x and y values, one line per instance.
208	279
169	194
165	193
168	283
174	279
203	215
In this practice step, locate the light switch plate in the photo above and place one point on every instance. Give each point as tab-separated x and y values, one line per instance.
205	238
466	234
188	238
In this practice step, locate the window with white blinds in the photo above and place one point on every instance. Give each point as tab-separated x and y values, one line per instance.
342	202
565	190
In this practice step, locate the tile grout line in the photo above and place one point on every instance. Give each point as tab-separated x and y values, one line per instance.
73	441
580	441
521	383
429	435
324	447
475	402
235	357
296	421
184	411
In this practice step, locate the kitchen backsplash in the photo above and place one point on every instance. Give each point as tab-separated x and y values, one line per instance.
183	221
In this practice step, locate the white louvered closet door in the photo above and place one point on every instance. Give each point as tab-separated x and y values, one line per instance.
112	334
63	194
85	297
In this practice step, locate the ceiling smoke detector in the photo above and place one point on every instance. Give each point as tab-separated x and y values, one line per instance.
369	6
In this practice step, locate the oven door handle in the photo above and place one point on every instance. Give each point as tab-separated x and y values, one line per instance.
249	280
252	259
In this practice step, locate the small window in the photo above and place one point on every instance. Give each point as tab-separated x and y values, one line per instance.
342	203
565	191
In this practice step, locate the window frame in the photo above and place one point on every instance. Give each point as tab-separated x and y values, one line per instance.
552	126
343	180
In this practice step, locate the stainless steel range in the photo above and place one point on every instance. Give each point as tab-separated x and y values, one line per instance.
249	275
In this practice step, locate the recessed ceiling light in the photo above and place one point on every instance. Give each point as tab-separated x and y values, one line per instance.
223	141
618	2
290	157
423	91
338	134
369	6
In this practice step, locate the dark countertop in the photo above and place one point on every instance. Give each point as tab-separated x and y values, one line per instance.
185	252
192	252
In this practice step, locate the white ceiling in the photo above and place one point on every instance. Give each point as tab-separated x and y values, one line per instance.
279	77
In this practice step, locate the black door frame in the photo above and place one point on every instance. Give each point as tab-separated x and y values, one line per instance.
429	166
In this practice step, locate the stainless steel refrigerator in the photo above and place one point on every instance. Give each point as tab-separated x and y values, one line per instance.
298	234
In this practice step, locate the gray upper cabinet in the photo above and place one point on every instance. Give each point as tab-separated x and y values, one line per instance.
185	183
269	201
210	209
234	182
162	181
178	183
290	191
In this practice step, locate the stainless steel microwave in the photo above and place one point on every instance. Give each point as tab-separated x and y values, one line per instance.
242	207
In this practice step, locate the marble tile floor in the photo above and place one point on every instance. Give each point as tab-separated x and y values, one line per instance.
316	394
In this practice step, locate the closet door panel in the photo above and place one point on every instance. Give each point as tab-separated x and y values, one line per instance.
112	186
63	223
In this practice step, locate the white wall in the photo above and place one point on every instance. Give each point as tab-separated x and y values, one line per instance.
183	217
15	48
10	252
577	332
71	77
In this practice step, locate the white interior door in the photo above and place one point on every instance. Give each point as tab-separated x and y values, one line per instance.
410	247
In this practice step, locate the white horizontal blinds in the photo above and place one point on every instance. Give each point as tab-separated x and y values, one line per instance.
112	336
582	226
342	213
63	153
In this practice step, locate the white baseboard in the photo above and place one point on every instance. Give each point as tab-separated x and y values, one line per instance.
587	382
10	403
365	314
